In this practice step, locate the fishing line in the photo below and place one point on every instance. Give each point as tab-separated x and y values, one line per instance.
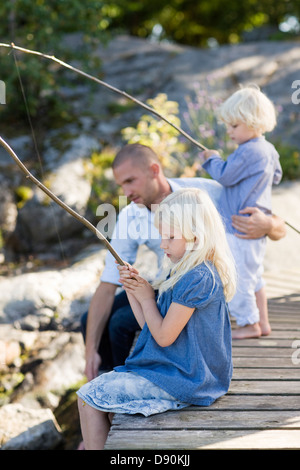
37	151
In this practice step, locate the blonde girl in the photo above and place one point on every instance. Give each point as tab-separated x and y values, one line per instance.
183	353
247	176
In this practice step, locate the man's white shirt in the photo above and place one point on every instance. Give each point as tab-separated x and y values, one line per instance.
135	227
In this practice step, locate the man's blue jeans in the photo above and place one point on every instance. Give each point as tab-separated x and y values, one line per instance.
118	335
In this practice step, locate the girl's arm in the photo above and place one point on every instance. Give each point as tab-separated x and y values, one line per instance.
137	309
125	273
164	330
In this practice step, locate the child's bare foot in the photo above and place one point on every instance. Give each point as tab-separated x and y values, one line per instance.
265	328
248	331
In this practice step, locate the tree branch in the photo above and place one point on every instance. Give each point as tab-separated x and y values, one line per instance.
110	87
49	193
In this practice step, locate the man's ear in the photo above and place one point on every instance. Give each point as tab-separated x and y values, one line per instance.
155	168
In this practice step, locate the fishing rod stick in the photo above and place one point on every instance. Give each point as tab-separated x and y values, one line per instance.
110	87
62	204
291	226
116	90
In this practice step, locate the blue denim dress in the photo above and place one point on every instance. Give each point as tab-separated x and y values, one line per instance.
195	369
127	392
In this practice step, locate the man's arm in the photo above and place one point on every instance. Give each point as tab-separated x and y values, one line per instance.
258	224
99	312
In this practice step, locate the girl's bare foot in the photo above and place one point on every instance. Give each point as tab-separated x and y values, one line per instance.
248	331
265	328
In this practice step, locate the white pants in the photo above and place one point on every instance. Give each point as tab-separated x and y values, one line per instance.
249	256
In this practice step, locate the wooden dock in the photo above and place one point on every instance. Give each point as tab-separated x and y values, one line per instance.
261	409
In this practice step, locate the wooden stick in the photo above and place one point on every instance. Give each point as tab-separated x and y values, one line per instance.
116	90
110	87
71	211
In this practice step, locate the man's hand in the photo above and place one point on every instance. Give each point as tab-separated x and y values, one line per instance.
258	224
92	364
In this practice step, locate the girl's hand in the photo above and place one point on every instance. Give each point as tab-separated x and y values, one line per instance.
126	272
139	287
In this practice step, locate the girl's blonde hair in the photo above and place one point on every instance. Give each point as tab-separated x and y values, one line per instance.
251	107
192	212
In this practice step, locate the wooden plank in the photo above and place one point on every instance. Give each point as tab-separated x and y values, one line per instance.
263	352
265	342
276	334
205	439
261	409
244	373
265	387
208	419
256	402
284	309
264	362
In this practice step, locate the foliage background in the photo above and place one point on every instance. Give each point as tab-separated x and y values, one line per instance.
42	24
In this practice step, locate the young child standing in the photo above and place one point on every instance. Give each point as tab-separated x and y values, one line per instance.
183	353
247	175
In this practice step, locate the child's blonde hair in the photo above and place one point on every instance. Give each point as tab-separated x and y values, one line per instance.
251	107
192	212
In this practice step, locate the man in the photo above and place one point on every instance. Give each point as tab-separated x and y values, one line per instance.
111	325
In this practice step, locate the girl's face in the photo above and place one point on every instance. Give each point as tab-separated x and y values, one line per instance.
172	242
240	133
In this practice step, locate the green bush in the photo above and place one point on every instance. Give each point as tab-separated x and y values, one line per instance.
289	160
42	26
104	188
165	140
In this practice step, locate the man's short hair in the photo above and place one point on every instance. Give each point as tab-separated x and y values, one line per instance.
135	152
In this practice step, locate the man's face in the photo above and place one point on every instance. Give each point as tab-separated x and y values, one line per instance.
139	183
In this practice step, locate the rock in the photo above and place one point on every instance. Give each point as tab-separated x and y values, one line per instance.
171	69
61	362
9	351
174	69
22	145
28	429
8	208
29	294
42	372
41	220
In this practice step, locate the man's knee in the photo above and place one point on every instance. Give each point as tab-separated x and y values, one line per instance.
123	321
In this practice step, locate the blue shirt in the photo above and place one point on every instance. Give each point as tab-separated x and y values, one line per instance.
197	367
135	227
247	176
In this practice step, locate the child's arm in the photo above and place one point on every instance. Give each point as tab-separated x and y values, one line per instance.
164	330
208	153
125	273
227	172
